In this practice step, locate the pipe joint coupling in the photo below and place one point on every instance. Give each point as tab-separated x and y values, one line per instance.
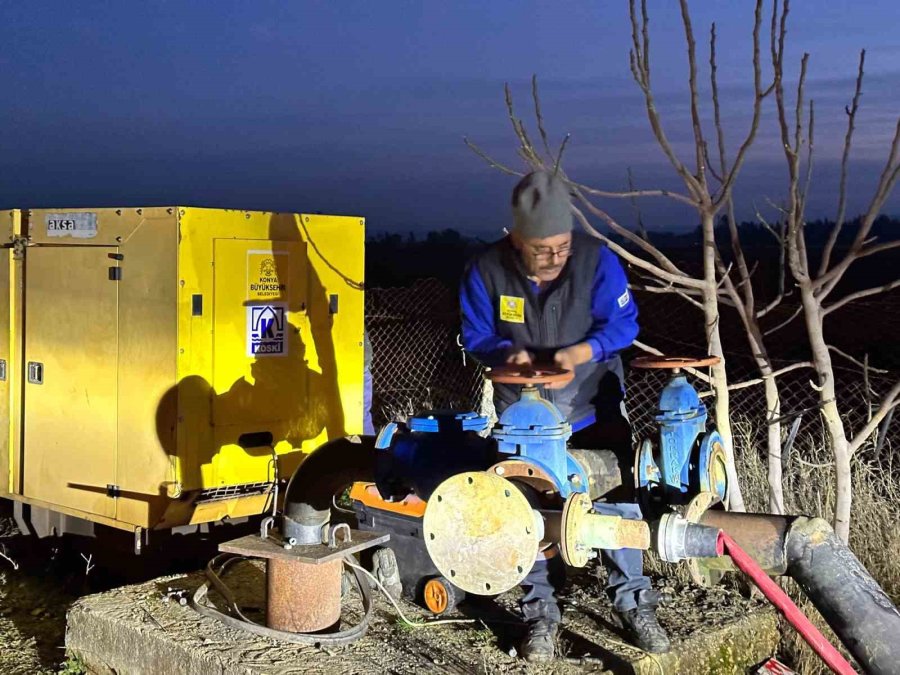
677	539
298	534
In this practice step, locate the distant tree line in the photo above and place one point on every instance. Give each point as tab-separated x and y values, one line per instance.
399	259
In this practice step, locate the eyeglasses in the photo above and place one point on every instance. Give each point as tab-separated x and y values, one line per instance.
544	254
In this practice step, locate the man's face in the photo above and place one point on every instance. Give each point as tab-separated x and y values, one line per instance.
544	259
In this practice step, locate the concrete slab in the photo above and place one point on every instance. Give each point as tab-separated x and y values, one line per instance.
132	630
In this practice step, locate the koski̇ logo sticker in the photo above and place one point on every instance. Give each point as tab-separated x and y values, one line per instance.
266	330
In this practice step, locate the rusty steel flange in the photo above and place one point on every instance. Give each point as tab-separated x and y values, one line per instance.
573	551
525	472
481	532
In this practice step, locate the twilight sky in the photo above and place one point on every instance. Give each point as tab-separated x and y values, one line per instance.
359	108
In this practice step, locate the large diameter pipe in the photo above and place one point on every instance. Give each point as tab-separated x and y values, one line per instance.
814	638
848	598
330	468
762	536
602	470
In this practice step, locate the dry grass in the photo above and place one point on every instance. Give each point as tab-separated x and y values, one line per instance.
809	490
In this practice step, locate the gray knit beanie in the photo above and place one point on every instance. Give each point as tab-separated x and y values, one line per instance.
541	206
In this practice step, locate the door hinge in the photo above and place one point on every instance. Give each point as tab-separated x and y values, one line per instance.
115	274
2	370
19	244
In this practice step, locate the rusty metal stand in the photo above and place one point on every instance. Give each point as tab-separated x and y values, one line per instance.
303	585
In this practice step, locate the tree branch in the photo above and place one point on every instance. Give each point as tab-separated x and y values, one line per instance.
860	294
736	247
490	161
684	199
637	209
669	289
785	322
640	67
663	260
625	254
842	188
888	403
856	362
858	249
758	96
538	116
772	375
699	140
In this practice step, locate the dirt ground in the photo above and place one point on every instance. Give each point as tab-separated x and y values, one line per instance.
51	575
35	598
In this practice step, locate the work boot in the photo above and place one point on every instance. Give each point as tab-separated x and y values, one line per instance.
542	624
642	626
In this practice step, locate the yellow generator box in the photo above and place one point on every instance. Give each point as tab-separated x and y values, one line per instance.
169	366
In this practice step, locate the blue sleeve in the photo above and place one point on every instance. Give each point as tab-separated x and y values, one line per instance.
478	323
615	324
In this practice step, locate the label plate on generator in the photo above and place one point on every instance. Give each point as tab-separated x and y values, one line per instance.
79	225
267	330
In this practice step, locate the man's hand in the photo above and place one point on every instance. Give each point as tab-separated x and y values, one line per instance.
520	357
569	358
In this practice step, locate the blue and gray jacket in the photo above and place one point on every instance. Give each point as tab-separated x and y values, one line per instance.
588	302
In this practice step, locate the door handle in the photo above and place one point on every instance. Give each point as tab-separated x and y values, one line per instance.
35	372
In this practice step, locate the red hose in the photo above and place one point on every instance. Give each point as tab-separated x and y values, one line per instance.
826	651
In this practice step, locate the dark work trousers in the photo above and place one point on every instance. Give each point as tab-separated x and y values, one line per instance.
625	567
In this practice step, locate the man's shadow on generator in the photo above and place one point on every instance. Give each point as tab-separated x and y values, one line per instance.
283	399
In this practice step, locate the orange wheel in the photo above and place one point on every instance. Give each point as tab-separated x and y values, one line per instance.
672	362
516	374
439	596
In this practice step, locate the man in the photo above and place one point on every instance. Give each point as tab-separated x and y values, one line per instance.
544	294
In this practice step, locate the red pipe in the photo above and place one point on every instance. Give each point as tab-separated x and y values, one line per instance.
826	651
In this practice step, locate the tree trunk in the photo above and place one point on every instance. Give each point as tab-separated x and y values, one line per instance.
714	345
775	457
840	446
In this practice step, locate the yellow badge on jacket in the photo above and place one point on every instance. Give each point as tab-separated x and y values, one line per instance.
512	309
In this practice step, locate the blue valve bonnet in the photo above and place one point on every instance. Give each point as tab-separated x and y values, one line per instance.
679	396
530	417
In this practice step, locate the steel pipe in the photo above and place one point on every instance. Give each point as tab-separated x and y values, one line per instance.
761	536
332	467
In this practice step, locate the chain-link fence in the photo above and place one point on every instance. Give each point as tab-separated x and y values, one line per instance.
417	360
418	364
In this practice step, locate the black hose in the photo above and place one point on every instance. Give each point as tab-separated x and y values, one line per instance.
848	598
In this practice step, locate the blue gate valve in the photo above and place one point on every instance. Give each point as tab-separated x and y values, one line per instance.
688	458
534	431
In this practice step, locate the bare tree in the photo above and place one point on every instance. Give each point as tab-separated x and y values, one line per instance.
708	198
817	285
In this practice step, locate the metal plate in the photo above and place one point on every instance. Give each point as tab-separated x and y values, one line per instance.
480	532
256	547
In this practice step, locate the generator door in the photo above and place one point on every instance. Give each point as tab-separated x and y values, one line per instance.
71	359
261	348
